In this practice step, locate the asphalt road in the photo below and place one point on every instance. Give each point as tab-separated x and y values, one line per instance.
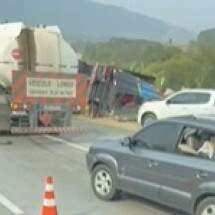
26	161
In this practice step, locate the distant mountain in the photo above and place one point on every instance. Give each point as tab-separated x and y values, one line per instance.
191	14
84	19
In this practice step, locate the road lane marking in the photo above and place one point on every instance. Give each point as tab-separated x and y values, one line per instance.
70	144
10	206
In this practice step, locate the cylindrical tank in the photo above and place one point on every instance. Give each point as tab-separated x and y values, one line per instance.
40	49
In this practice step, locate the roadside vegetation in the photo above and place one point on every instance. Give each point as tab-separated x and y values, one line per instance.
173	66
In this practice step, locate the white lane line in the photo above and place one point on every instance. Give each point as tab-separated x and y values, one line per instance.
10	206
73	145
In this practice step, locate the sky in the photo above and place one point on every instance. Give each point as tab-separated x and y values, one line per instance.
195	15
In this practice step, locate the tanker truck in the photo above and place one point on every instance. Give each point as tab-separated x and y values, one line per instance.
38	75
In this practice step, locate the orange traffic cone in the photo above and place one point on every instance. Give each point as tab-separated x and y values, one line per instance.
49	206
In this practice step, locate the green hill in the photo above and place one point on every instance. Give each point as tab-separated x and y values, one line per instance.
207	36
174	67
127	53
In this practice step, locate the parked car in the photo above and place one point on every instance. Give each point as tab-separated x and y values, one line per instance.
170	162
4	113
186	102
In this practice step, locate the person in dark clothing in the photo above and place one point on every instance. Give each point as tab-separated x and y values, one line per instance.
95	107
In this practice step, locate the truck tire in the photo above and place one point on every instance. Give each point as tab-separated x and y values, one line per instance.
147	119
206	207
103	181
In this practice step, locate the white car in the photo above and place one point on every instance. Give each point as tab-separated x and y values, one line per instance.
187	102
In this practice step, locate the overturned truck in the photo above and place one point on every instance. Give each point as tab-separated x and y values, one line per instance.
118	92
38	76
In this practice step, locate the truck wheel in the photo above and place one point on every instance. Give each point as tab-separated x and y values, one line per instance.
206	207
103	180
147	119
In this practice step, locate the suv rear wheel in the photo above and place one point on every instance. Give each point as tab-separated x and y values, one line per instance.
206	207
103	180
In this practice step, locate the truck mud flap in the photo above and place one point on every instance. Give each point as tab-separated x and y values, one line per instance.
50	130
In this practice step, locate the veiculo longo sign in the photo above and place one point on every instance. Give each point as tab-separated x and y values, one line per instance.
51	88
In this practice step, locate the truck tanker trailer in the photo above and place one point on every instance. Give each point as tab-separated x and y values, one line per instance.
39	77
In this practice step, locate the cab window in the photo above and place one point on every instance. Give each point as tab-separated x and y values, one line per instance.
197	143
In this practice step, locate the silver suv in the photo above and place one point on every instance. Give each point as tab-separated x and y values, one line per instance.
170	162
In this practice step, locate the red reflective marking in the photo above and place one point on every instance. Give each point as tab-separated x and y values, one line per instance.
49	195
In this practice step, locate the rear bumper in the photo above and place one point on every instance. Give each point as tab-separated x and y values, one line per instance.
47	130
18	113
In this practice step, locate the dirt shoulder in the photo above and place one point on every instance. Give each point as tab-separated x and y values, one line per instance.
105	121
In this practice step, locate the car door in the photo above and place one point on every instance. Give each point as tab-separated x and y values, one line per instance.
135	173
188	103
178	105
4	113
142	162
